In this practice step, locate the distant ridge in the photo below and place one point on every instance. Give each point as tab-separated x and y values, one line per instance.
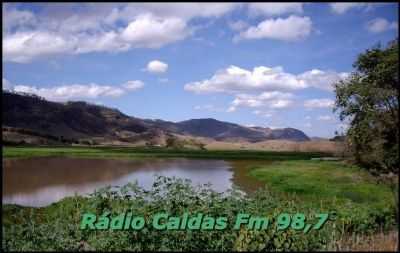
77	120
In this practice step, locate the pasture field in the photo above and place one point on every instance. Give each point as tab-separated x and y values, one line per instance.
132	152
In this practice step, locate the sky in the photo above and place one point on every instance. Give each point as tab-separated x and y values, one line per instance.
254	64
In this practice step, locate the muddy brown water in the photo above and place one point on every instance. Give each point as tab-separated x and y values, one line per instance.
42	181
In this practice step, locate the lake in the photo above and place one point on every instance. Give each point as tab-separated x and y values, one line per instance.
43	180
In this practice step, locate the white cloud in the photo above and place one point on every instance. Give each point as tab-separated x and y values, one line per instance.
105	27
280	103
292	28
76	91
267	114
273	100
149	31
13	18
231	109
157	67
235	79
23	46
325	118
146	31
133	85
322	79
341	8
182	10
379	25
319	103
66	92
101	42
274	9
238	25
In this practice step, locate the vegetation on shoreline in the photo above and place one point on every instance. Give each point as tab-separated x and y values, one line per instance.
316	180
132	152
357	204
56	227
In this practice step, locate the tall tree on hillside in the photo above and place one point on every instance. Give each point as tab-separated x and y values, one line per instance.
369	100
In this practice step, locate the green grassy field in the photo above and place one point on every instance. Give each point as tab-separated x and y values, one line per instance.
129	152
325	180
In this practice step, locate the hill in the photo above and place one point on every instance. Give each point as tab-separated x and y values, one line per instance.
81	120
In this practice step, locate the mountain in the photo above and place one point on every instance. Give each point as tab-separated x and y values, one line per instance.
218	130
225	131
77	120
72	119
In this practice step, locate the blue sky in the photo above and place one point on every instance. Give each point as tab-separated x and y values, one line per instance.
263	64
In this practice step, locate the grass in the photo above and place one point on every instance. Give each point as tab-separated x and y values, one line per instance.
325	180
132	152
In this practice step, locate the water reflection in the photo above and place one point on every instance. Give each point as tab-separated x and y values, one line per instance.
41	181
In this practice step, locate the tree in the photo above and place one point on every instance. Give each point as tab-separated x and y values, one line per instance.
368	99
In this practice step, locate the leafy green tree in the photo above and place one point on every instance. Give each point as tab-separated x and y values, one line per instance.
368	100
